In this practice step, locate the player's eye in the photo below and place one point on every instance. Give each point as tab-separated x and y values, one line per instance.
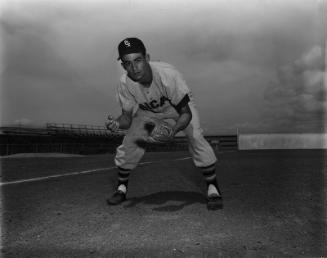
127	64
138	60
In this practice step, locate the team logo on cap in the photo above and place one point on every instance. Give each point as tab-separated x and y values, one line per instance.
127	43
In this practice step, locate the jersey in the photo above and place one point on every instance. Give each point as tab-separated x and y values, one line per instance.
168	89
167	93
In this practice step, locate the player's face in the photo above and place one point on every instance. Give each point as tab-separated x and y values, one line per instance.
137	67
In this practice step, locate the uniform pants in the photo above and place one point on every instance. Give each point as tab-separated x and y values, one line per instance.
129	153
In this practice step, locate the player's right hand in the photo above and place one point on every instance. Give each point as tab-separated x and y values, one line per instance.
112	124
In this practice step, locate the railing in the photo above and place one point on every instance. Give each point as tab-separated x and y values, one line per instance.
228	142
80	130
8	130
219	143
73	148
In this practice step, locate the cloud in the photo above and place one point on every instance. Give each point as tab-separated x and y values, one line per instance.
23	122
61	67
249	126
297	98
313	81
312	60
46	79
249	33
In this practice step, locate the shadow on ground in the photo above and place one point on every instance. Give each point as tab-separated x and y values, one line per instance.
167	201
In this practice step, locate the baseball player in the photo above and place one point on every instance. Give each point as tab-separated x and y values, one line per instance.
156	90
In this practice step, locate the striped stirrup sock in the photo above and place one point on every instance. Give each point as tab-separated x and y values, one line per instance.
123	175
209	174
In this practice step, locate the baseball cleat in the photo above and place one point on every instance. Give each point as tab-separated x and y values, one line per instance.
117	198
214	202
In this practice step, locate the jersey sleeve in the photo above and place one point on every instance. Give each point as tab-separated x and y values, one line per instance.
177	89
125	98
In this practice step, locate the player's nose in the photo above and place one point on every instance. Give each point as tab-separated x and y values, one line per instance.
134	67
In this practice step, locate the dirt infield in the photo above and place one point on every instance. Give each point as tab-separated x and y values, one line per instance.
274	205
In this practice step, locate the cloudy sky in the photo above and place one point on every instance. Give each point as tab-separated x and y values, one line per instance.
256	65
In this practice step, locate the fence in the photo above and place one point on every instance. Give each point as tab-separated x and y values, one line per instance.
223	142
227	142
73	148
81	130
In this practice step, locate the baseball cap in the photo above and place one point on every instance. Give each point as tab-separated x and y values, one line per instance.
130	45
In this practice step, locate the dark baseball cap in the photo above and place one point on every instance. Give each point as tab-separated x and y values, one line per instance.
130	45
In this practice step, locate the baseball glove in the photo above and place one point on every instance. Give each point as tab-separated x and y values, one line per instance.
160	132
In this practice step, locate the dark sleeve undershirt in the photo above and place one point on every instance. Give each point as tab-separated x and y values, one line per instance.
185	100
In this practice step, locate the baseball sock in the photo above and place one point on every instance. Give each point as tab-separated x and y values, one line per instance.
123	175
210	177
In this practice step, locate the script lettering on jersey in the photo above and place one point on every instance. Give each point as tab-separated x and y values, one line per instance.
153	104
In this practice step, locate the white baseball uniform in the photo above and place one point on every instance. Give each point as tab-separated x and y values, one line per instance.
168	90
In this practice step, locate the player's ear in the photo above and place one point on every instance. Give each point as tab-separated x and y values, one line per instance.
122	64
147	57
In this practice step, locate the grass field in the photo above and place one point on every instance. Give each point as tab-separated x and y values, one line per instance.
274	205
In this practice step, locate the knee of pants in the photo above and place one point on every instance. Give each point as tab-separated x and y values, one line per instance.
129	153
128	157
201	151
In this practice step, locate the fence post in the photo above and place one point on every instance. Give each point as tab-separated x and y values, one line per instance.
237	138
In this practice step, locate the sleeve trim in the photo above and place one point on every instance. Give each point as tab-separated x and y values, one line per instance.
185	100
